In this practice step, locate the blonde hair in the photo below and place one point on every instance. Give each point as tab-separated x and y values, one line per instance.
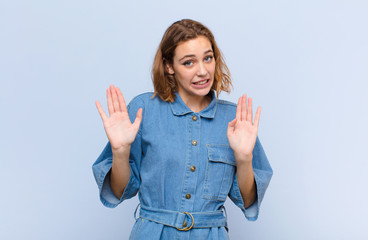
164	83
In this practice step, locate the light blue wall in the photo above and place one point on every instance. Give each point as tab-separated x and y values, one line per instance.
304	62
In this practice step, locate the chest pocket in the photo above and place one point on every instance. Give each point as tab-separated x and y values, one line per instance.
219	172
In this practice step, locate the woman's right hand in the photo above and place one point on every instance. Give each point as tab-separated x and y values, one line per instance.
118	127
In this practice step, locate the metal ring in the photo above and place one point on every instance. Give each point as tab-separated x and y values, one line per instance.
191	226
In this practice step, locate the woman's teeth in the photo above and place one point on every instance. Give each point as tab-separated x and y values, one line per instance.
201	82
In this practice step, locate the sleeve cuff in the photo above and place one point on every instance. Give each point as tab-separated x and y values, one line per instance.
107	196
251	212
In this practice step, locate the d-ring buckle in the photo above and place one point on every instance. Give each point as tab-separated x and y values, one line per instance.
191	226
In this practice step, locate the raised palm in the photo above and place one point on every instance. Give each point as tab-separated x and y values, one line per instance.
242	132
120	131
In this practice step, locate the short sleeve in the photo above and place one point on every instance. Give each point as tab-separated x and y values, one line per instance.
102	166
262	176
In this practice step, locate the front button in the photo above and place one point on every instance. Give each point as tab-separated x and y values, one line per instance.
194	142
192	168
188	196
194	118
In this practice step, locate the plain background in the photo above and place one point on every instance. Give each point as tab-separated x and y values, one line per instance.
304	62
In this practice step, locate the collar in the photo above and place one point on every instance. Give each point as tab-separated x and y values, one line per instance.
179	108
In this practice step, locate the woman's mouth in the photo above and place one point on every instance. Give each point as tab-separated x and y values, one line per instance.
201	84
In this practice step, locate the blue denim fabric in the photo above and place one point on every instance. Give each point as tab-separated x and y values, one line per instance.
161	158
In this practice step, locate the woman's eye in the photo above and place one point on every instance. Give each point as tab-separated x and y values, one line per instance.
188	63
208	58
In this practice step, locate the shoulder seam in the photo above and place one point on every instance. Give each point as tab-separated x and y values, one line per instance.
220	101
140	95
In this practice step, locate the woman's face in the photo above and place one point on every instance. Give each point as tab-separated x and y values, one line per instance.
193	67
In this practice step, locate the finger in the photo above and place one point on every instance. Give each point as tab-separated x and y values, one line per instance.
110	106
244	108
250	111
232	123
121	100
231	126
238	109
138	118
101	111
115	100
257	117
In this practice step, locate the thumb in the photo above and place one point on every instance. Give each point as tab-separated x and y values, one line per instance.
138	119
231	126
232	123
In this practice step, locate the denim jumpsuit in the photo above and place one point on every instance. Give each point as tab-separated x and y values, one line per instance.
183	169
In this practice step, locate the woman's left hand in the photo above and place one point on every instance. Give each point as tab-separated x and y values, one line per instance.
242	132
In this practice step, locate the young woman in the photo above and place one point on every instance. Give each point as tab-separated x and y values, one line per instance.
186	150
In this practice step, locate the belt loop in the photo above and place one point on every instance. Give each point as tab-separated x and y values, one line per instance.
226	227
223	207
135	212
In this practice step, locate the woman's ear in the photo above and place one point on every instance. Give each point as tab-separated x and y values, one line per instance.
169	68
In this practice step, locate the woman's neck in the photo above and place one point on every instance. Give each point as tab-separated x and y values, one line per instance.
196	103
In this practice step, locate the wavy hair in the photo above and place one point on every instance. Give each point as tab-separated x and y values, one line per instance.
164	83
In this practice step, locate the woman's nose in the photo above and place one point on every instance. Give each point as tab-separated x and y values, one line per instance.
202	70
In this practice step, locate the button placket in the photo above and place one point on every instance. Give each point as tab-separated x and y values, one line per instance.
191	175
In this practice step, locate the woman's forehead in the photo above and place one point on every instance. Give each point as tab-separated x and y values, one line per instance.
196	46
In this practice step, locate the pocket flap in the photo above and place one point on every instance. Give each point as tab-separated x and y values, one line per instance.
221	153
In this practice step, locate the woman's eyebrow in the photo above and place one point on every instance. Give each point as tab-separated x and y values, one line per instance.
192	55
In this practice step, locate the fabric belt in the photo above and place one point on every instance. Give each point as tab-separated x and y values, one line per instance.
184	220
